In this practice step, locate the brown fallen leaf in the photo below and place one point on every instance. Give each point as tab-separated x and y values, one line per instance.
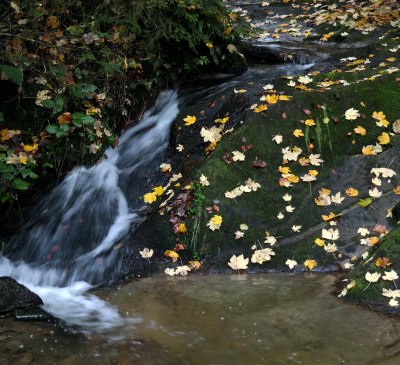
259	164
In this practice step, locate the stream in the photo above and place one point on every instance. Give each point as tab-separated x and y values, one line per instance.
221	319
67	248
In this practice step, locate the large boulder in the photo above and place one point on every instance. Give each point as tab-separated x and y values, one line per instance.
16	296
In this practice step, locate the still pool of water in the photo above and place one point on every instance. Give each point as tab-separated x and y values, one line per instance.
235	319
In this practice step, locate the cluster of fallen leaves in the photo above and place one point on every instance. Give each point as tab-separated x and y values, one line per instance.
295	158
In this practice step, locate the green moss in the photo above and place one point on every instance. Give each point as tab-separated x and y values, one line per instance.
390	248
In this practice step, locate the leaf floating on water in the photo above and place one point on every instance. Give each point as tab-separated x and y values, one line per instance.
310	264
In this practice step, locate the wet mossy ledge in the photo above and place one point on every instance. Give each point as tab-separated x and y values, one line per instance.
359	175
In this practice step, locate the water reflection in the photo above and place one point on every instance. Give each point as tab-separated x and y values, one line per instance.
246	319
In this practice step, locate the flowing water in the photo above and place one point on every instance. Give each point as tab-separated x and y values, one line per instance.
67	247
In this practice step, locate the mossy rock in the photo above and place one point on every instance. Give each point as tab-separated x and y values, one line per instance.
371	294
344	166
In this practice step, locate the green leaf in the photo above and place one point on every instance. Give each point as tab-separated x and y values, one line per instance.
52	128
12	73
20	184
47	164
30	173
48	103
365	202
82	118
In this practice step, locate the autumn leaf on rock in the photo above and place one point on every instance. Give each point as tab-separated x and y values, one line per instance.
310	264
382	262
351	114
189	120
260	108
172	254
352	192
215	222
238	262
384	138
298	133
146	253
149	198
291	263
360	130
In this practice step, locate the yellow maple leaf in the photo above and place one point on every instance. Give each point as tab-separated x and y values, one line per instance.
384	138
310	264
352	192
227	31
284	169
30	148
210	147
189	120
182	228
310	122
324	191
326	36
373	240
293	179
382	262
367	150
194	264
396	190
222	121
22	159
171	254
52	22
298	133
329	217
360	130
272	98
158	190
319	242
284	97
313	172
260	108
391	59
149	198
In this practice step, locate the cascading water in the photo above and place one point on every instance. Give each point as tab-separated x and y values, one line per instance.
69	242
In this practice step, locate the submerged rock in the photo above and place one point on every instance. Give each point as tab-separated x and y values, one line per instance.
16	296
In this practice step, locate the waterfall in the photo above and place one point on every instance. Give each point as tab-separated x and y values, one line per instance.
68	243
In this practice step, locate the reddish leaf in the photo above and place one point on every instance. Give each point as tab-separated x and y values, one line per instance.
306	111
228	158
259	164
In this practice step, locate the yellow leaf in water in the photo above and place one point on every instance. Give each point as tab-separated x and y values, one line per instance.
396	190
384	138
149	198
309	122
313	172
284	97
319	242
261	108
391	59
298	133
360	130
52	22
310	264
352	192
189	120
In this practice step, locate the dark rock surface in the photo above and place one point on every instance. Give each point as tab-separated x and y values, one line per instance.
15	296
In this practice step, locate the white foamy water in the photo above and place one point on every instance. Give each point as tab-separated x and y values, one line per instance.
69	242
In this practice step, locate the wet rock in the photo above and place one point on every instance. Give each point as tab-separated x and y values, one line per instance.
15	346
14	295
32	314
